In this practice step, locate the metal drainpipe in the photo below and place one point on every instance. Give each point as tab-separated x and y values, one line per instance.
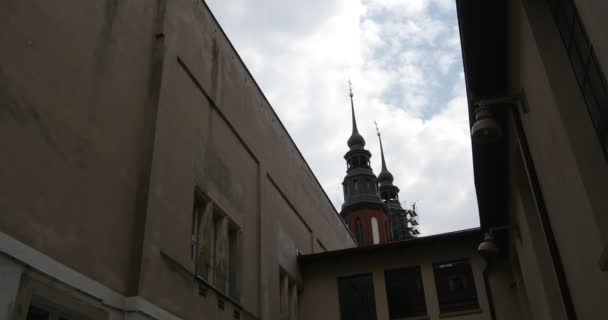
489	289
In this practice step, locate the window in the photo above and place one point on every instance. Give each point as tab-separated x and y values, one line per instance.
356	296
587	70
375	231
405	293
359	230
46	313
46	310
455	286
289	297
215	246
388	231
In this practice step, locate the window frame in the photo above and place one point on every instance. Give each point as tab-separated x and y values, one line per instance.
374	312
448	305
387	284
232	281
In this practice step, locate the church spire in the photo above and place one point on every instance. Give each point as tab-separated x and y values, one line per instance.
385	178
355	141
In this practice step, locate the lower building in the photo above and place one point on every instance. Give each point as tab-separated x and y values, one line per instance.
429	277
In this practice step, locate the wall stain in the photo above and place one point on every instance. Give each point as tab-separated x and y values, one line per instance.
16	108
215	66
219	174
106	31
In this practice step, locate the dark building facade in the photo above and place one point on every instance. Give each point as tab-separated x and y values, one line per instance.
371	206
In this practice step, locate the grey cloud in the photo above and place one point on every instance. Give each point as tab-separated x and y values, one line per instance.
405	67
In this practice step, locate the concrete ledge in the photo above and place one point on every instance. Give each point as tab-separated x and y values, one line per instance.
23	254
459	313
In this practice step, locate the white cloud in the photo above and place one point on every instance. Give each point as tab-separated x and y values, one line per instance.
404	61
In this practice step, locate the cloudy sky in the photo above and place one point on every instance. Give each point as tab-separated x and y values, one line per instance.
403	58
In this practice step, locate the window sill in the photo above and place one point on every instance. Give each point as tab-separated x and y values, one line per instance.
206	285
217	291
459	313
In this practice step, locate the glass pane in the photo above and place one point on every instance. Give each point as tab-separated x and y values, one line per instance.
598	107
35	313
356	296
580	41
592	106
455	286
564	15
598	85
578	65
405	293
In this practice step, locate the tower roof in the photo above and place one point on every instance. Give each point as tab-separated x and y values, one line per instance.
356	140
385	178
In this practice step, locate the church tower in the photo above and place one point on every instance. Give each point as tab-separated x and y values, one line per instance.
362	210
402	222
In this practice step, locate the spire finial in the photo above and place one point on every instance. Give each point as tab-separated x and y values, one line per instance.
355	140
381	148
352	106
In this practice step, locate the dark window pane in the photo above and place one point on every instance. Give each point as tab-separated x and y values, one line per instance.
357	300
455	286
592	106
405	293
596	97
580	51
598	85
35	313
564	16
359	231
580	41
578	65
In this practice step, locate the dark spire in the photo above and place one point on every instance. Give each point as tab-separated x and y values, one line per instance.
385	178
355	141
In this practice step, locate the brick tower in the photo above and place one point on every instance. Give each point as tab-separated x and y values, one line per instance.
363	209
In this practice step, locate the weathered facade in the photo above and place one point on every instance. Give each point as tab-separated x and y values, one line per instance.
535	74
131	131
323	296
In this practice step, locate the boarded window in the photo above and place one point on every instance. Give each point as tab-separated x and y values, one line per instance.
202	235
356	296
233	261
215	246
405	293
455	286
289	297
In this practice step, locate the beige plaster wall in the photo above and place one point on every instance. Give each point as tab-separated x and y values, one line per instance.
217	131
571	168
320	292
77	96
112	112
